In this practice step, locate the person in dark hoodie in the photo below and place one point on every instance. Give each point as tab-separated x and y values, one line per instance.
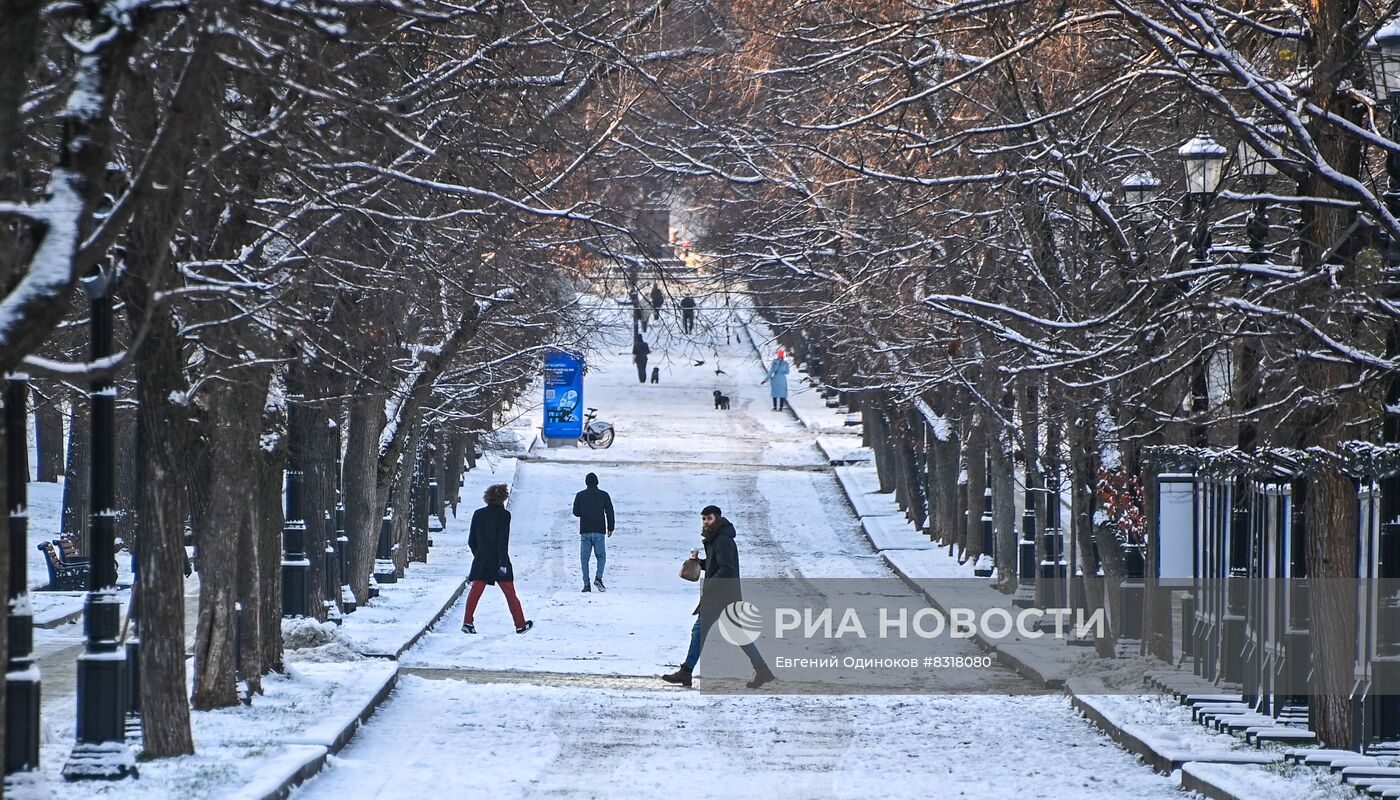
640	351
594	510
721	588
489	541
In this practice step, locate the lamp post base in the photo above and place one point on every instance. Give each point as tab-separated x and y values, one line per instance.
100	761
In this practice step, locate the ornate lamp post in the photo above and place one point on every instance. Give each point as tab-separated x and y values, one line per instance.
101	750
1203	162
21	674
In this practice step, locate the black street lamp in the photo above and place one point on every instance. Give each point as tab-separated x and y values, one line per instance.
101	751
1203	162
295	564
21	674
1383	55
1139	189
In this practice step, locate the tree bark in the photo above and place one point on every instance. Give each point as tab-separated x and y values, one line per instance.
975	456
267	523
362	508
48	435
162	431
77	473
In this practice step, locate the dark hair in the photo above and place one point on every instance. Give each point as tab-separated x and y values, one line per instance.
496	494
590	479
710	510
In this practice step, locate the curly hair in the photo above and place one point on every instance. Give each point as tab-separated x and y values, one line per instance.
496	494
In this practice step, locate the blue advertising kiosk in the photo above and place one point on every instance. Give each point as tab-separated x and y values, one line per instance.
563	397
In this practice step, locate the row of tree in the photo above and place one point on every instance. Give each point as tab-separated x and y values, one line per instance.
337	232
930	199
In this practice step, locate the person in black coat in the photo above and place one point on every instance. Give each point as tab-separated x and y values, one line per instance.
657	298
720	589
594	510
688	314
640	351
489	541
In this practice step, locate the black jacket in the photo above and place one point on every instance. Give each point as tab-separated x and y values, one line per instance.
489	541
640	349
721	565
594	510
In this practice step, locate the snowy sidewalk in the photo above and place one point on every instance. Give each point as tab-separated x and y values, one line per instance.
575	709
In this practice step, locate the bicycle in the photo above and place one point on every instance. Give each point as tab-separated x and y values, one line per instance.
597	434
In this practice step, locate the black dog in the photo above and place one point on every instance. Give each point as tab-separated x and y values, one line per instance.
656	374
721	401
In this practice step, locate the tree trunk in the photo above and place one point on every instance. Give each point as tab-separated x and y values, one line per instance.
1004	509
362	508
161	444
48	435
126	477
1084	467
228	560
975	456
78	472
268	520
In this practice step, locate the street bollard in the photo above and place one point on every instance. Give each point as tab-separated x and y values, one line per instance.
22	685
384	569
986	563
342	550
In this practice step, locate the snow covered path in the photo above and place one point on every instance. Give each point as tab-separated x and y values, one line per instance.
574	708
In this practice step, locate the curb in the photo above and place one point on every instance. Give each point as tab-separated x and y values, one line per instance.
1017	665
316	760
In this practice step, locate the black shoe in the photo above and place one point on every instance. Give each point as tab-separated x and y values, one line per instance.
761	675
529	623
599	583
467	627
680	677
587	588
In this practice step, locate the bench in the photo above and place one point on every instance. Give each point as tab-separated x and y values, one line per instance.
68	571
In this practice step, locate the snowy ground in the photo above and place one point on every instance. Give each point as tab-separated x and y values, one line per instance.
573	709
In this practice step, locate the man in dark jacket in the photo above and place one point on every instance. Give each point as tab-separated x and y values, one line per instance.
657	298
688	314
640	351
720	589
594	510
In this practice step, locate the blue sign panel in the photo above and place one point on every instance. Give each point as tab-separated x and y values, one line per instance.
563	395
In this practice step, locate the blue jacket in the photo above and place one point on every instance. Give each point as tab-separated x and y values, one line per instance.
777	378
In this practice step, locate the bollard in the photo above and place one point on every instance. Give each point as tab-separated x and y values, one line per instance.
342	551
330	582
985	562
384	570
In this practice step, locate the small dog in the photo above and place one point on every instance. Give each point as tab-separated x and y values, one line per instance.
721	401
656	374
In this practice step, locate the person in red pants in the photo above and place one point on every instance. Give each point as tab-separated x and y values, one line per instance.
489	541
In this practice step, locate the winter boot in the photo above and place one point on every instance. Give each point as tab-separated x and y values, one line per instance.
761	675
680	677
599	583
529	623
586	587
467	627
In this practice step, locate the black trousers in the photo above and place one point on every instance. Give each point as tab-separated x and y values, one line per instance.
641	369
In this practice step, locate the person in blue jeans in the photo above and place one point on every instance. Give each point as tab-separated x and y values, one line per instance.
594	510
720	589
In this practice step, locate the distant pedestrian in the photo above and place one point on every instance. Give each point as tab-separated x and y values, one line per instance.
640	351
657	298
594	510
639	316
719	590
777	381
489	541
688	314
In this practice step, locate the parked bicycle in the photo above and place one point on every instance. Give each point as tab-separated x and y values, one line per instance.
597	434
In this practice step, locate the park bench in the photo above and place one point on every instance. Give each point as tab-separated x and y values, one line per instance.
68	571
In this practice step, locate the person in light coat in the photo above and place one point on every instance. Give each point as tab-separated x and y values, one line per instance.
777	381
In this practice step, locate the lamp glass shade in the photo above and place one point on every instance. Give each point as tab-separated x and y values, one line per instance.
1383	57
1203	161
1140	188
